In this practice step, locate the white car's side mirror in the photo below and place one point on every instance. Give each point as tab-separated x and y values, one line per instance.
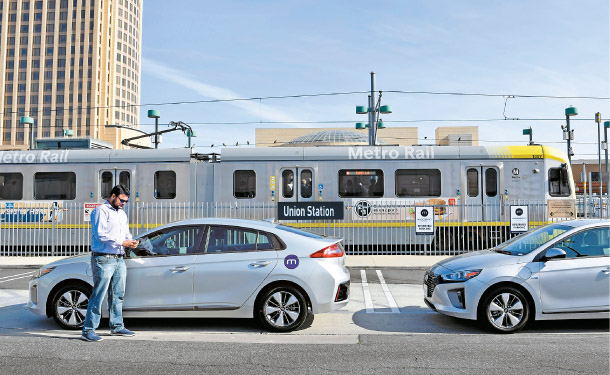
554	253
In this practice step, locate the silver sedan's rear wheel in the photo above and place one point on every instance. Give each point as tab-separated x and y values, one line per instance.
505	310
70	306
282	309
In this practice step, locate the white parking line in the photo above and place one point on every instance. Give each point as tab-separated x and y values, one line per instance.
16	278
19	274
368	301
388	294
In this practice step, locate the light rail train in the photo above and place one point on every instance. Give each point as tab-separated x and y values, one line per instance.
379	187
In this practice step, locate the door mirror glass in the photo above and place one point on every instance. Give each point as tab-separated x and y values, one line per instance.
554	253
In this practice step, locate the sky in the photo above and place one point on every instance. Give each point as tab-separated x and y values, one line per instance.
204	51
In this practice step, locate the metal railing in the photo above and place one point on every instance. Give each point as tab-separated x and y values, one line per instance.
41	229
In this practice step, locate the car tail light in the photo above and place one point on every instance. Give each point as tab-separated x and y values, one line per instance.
332	251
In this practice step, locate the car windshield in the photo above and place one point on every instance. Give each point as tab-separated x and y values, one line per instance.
299	231
530	241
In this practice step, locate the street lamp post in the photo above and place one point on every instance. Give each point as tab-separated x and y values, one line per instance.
153	113
598	119
606	127
30	122
373	110
571	111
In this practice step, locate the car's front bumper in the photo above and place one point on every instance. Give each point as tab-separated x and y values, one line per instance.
34	304
446	299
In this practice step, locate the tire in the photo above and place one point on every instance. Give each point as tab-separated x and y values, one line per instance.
504	310
69	306
282	309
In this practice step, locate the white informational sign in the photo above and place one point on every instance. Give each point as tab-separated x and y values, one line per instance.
89	207
519	222
424	220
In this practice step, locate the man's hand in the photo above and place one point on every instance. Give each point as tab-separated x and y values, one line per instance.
131	243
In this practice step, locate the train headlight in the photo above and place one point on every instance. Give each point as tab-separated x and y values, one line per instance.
43	271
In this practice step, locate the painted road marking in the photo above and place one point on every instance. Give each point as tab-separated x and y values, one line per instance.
19	274
388	294
368	301
16	278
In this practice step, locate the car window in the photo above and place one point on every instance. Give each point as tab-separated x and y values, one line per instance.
223	239
530	241
169	241
592	242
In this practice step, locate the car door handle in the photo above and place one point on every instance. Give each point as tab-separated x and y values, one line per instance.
260	264
178	269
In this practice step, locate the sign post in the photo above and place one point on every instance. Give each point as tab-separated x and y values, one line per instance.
424	220
519	222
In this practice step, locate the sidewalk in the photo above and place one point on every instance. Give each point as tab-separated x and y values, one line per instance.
360	261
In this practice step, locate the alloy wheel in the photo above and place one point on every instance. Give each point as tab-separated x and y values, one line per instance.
71	308
282	309
505	311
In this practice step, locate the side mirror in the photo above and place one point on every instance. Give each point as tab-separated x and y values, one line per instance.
554	253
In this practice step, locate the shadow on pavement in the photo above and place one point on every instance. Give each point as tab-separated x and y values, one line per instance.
18	320
417	319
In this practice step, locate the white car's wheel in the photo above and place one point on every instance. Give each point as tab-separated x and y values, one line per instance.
282	309
505	310
70	306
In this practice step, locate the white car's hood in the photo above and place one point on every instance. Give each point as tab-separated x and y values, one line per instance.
83	258
478	260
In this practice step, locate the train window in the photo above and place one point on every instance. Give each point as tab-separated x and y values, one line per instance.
55	185
11	186
418	183
106	184
306	181
244	184
288	183
361	183
125	179
472	177
165	184
559	185
491	182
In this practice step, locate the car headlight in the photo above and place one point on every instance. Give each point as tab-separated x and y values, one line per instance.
460	276
43	271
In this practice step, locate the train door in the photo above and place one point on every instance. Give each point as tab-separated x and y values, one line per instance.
482	194
296	184
112	177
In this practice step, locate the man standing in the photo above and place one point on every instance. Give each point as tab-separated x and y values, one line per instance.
109	234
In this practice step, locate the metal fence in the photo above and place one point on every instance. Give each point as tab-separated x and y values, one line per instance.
41	229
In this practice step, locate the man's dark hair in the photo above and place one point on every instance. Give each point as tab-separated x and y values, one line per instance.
119	189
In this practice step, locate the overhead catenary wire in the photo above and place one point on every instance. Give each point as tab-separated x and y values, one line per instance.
295	96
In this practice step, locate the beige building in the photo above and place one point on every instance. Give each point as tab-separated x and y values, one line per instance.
402	136
457	135
70	65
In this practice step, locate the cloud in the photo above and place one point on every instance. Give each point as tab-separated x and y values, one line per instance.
253	107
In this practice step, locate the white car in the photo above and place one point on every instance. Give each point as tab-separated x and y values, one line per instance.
559	271
217	268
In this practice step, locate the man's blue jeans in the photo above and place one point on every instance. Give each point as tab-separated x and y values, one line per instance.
109	275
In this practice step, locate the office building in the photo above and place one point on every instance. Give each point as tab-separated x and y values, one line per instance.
69	65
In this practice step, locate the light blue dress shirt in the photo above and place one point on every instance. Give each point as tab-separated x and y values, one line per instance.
109	229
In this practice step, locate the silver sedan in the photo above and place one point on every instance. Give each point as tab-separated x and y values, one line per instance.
560	271
217	268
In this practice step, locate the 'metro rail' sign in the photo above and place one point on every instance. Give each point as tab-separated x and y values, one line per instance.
310	211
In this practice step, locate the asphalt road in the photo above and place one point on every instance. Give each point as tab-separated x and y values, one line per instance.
411	339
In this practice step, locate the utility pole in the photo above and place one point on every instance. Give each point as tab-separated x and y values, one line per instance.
571	111
153	113
373	110
598	119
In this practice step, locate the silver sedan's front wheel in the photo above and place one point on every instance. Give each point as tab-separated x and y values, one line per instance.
505	310
70	306
282	309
